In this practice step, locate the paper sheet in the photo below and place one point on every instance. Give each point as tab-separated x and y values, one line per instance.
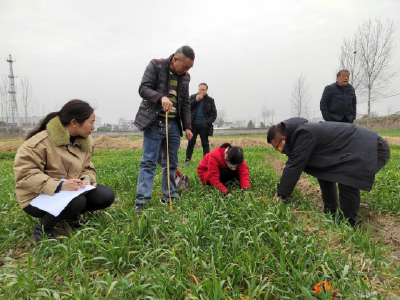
56	203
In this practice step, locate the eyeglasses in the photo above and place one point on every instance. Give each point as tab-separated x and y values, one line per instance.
277	146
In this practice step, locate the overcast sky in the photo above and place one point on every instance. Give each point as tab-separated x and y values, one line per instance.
248	52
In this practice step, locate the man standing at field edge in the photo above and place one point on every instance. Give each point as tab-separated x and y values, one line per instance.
204	114
339	102
332	152
165	92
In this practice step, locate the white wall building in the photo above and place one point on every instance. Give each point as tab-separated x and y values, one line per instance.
97	123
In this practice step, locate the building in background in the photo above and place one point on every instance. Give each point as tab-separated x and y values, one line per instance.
126	125
97	123
21	121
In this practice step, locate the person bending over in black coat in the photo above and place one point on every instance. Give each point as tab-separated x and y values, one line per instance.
332	152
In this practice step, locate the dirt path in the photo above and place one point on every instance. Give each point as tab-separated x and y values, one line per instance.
382	225
104	142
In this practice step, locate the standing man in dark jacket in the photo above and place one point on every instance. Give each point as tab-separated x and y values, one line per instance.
165	92
339	101
333	153
204	114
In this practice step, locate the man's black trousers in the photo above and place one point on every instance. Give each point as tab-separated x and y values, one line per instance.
349	197
197	129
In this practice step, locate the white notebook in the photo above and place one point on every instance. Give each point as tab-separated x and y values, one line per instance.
56	203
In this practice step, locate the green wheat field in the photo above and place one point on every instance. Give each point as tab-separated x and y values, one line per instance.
209	247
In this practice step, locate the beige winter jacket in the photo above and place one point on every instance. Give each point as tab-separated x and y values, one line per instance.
46	158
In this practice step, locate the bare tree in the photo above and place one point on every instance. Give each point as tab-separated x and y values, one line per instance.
28	104
4	99
272	114
221	118
390	108
57	105
300	97
373	51
240	123
265	113
350	59
374	114
43	110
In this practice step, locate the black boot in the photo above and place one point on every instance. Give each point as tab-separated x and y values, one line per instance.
73	222
39	234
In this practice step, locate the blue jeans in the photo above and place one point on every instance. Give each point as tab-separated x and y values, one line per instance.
154	137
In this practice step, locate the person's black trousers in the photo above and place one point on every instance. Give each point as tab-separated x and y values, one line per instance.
349	197
99	198
226	174
197	129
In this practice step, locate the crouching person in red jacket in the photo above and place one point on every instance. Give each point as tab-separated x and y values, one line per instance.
224	164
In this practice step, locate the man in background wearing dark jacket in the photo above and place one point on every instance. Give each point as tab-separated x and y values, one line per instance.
165	92
339	101
204	114
346	154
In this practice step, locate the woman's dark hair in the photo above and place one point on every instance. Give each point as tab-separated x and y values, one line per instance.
73	109
235	154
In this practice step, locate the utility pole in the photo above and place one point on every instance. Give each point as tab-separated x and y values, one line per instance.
12	92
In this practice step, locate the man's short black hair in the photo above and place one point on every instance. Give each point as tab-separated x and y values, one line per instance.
274	130
185	52
203	83
343	70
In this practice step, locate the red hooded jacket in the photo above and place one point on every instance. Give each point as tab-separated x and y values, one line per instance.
208	170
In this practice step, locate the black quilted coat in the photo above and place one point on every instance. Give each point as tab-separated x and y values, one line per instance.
154	86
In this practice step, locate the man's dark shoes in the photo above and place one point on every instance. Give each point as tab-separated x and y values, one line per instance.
139	208
165	200
39	234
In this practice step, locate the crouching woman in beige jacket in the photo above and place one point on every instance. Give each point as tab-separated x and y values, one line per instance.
60	147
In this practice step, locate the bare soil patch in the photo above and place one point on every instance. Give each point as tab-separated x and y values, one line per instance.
383	225
104	142
392	140
10	146
303	184
241	142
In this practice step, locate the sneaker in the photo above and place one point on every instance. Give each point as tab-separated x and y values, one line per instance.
73	222
187	159
39	234
139	208
165	200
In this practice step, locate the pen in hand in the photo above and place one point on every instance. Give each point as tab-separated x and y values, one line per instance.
72	184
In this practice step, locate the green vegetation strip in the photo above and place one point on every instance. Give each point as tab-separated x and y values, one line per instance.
385	195
210	247
394	132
